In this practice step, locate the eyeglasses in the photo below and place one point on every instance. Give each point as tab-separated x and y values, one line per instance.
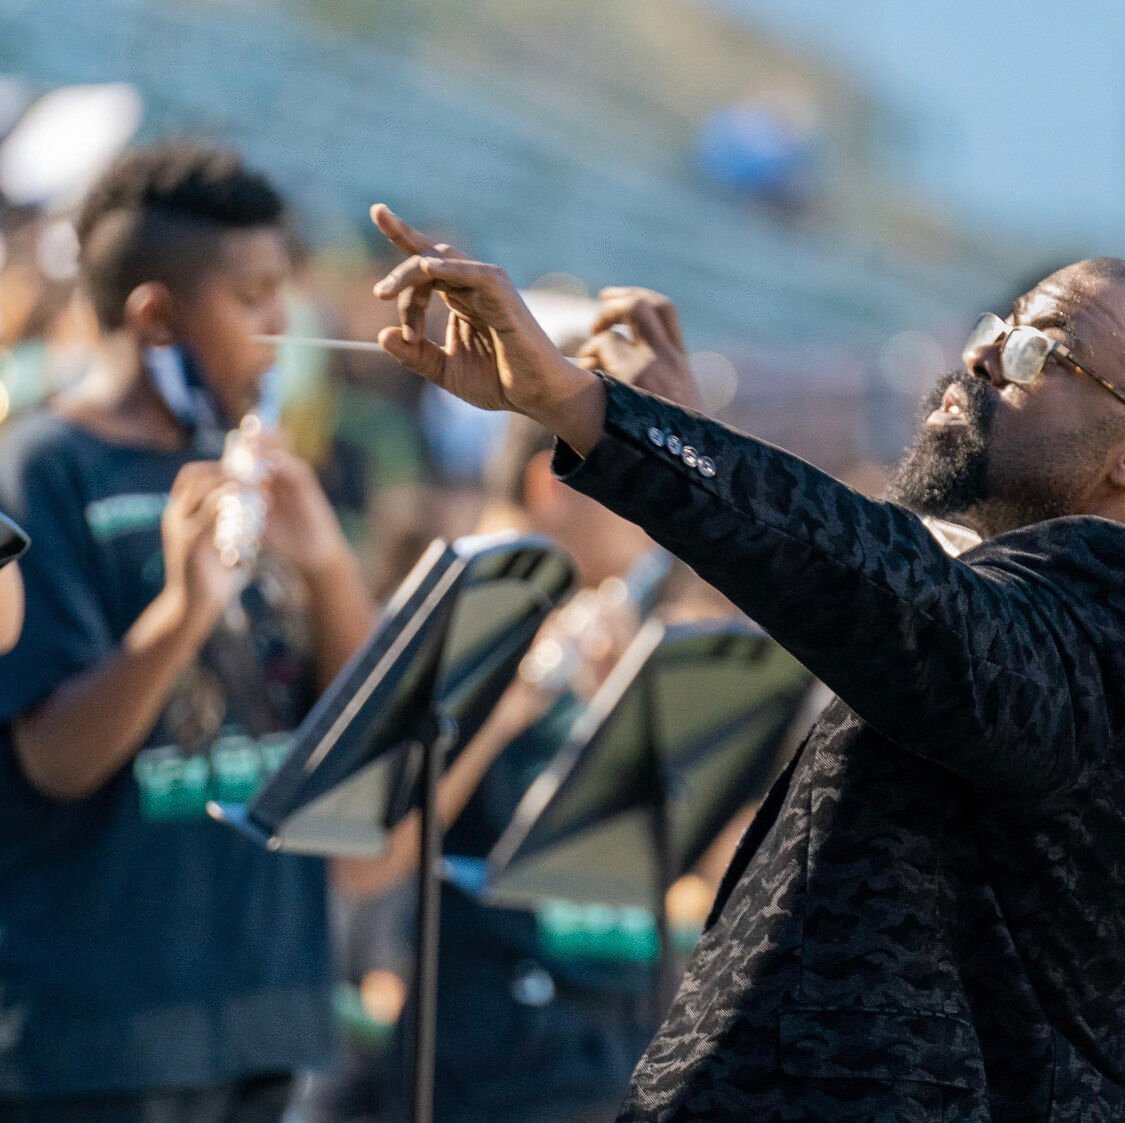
1024	352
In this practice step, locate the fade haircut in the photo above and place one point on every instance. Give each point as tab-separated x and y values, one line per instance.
158	215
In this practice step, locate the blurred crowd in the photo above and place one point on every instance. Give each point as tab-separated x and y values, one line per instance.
542	1013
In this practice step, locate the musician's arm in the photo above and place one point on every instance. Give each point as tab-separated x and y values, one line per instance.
341	613
80	702
91	725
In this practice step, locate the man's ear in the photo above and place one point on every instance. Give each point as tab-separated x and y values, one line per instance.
1115	472
150	314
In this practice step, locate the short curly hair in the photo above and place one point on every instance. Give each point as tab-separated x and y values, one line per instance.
156	214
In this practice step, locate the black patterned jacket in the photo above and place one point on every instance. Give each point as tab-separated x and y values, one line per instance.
927	918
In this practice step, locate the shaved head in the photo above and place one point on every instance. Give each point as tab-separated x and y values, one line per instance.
1084	304
1034	451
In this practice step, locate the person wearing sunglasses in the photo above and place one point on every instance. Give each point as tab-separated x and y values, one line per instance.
1023	352
926	919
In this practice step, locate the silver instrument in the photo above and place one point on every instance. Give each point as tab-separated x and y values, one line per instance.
241	517
555	662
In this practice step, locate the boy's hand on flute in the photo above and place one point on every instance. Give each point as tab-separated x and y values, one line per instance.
495	355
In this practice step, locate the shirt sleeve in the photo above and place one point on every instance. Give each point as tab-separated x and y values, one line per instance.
970	665
66	627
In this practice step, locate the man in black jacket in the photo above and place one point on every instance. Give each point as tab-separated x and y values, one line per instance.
927	919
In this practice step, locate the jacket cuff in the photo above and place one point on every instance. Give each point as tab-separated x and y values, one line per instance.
637	426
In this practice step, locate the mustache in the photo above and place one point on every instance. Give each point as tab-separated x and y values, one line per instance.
981	401
944	472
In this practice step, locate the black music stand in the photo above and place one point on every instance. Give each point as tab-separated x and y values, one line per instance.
684	732
447	646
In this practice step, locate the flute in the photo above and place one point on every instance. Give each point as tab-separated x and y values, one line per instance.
586	625
241	517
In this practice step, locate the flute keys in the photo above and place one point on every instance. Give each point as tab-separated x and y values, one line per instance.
239	523
241	516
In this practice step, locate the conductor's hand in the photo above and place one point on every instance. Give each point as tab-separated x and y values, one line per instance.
651	354
495	355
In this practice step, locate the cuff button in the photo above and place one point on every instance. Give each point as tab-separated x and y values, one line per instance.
656	436
690	456
674	444
706	466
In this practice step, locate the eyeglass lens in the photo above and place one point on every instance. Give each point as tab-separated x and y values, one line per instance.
1022	354
987	330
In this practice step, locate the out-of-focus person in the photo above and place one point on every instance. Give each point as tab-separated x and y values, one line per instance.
636	338
523	1035
155	965
352	415
47	330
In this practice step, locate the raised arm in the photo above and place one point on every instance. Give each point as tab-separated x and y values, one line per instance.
973	666
495	355
976	665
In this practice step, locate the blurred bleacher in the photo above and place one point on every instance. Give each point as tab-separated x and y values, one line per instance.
554	138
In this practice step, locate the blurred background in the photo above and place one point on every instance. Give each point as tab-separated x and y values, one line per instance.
830	193
829	199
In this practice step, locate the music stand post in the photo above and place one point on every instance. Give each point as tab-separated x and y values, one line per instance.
434	751
685	730
441	656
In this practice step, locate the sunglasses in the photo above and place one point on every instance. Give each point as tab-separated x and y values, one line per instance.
1024	352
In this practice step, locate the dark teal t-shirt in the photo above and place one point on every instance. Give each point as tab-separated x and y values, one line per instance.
141	944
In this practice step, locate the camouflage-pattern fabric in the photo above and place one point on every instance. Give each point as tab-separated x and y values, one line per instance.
926	921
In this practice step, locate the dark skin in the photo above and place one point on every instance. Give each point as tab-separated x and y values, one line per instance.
240	296
497	357
73	742
651	351
495	354
1086	314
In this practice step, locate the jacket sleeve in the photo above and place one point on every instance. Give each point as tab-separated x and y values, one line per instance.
965	664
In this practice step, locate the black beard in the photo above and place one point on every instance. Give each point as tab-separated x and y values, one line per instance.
944	473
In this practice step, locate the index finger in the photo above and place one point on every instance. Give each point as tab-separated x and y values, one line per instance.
400	233
195	474
193	495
